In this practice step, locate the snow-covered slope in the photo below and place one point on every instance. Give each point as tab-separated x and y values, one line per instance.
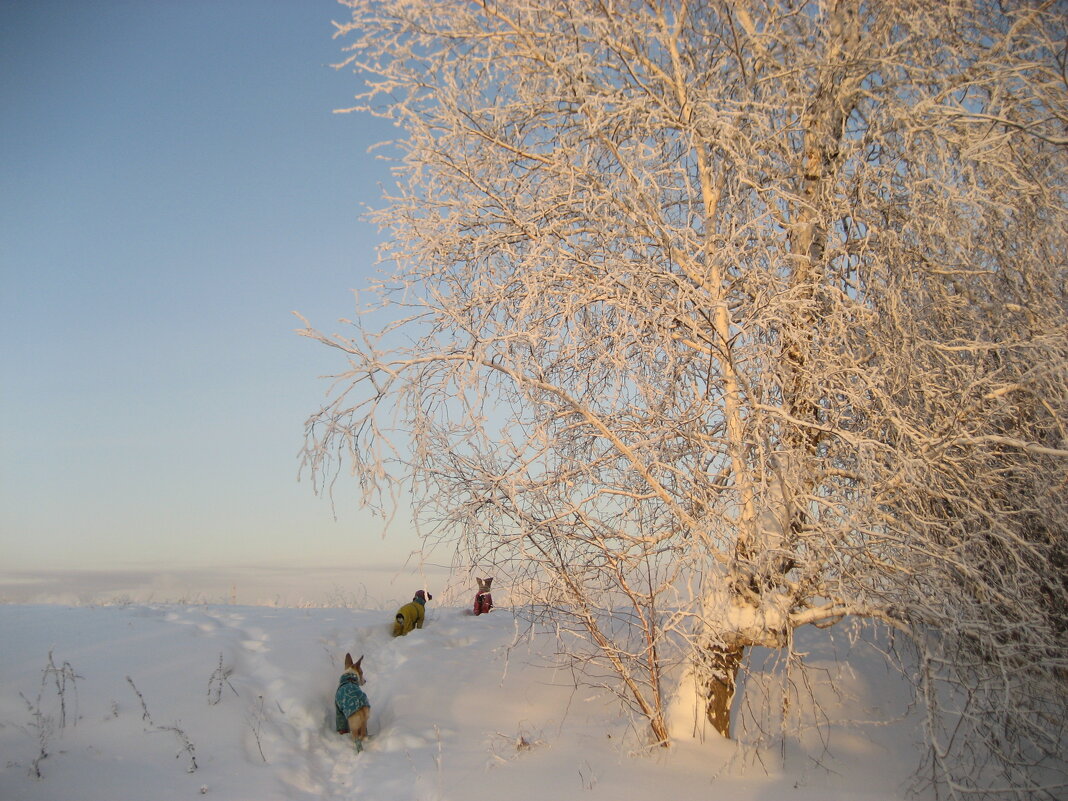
174	702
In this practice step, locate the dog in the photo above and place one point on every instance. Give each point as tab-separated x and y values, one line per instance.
483	599
411	615
351	707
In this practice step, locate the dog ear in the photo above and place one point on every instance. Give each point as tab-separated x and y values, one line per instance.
358	661
348	661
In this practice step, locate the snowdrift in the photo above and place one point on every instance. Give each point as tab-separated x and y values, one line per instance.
112	703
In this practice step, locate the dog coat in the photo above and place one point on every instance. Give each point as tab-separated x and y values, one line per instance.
348	699
410	616
483	603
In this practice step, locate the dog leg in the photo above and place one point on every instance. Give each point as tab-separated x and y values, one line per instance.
358	727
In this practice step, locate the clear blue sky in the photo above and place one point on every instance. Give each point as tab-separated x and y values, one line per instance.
173	184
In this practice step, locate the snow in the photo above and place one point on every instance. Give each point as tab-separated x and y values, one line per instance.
464	708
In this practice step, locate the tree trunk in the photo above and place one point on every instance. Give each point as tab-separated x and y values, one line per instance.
722	664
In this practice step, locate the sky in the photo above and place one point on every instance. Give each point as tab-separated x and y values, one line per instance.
173	185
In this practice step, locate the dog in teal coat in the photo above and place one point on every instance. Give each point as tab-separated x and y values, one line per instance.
351	707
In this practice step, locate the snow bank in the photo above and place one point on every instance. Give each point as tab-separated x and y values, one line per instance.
230	702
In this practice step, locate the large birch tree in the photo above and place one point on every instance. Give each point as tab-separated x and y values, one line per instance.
710	320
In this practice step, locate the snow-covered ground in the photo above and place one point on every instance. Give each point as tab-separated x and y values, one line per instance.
116	703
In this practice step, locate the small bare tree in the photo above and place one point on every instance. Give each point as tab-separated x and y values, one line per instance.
712	320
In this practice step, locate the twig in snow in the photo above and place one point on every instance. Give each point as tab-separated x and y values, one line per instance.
220	676
144	707
43	725
61	676
256	723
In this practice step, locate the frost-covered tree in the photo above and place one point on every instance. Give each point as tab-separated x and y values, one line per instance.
710	320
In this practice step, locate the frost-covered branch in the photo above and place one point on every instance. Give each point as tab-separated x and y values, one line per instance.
720	319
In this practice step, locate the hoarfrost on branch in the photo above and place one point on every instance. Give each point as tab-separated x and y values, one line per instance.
727	318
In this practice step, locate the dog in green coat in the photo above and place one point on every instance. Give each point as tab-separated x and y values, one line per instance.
411	615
